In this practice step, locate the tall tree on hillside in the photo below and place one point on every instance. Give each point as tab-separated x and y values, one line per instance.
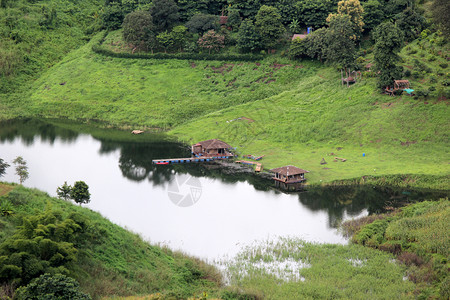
354	10
138	30
268	25
316	44
21	168
388	43
3	167
64	190
80	193
339	43
373	14
200	23
165	14
441	15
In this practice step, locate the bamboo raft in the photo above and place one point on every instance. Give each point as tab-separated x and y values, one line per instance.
188	160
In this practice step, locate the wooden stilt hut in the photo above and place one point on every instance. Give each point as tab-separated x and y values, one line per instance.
289	174
212	147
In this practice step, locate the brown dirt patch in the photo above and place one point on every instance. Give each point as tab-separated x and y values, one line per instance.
5	189
258	64
269	81
193	65
299	67
279	66
248	119
387	105
230	83
407	143
222	69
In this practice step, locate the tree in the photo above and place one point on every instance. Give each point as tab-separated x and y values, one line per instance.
314	12
211	41
268	25
388	43
441	15
354	10
49	286
3	167
298	48
138	30
234	19
112	16
165	40
165	14
248	39
339	44
315	44
373	14
201	23
64	191
21	168
411	23
80	193
178	34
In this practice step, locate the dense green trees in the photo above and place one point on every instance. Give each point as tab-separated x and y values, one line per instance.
201	23
248	39
138	30
315	12
388	43
269	27
165	14
63	191
441	14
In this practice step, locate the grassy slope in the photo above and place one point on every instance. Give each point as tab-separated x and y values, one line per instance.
114	261
301	113
418	234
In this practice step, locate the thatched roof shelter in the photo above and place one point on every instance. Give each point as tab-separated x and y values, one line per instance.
289	171
299	36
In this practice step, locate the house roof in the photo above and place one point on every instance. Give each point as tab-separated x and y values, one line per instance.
289	171
299	36
214	144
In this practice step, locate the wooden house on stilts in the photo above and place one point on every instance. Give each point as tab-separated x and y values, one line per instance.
213	147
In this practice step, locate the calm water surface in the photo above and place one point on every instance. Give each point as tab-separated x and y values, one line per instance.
232	208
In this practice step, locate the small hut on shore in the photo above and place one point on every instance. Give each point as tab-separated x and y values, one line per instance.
212	147
289	174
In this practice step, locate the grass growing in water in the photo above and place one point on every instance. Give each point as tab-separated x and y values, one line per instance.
290	268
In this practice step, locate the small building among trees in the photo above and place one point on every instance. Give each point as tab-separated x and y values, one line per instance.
289	174
212	147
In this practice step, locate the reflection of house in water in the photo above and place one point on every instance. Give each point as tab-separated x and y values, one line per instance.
289	177
213	147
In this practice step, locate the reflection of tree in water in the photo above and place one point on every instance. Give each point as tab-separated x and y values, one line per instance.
353	200
29	129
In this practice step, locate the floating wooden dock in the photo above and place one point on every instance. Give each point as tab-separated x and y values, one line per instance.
188	160
258	168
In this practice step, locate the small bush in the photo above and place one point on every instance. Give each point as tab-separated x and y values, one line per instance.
410	259
407	73
432	58
443	65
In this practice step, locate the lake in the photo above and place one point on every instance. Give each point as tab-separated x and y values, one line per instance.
206	210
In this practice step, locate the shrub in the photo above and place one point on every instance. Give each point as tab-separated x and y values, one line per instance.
407	73
443	65
52	287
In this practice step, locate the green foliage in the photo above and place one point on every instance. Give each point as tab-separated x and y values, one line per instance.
298	48
165	14
373	14
3	166
138	30
314	13
106	260
248	39
372	234
441	15
47	286
352	10
268	25
234	19
21	168
113	16
411	23
201	23
388	43
41	244
80	193
64	191
339	48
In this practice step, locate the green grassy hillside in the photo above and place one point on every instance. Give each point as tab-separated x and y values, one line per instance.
294	112
108	260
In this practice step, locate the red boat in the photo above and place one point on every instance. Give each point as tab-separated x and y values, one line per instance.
162	163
